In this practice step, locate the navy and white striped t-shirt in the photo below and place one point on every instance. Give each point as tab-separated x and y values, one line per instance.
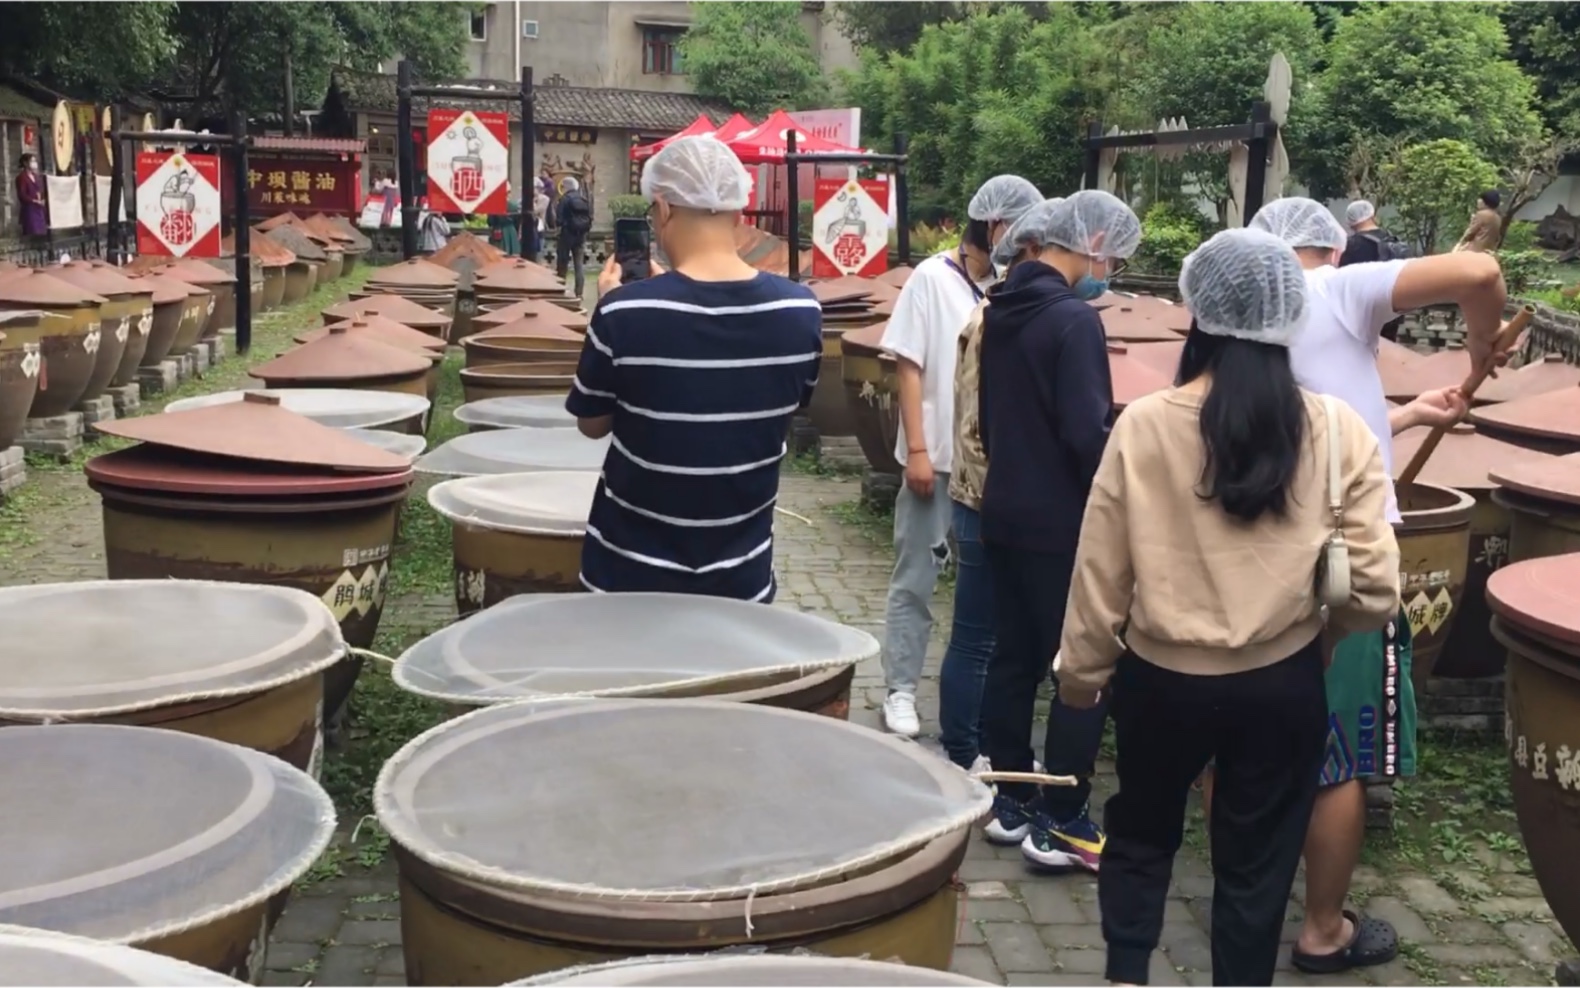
702	379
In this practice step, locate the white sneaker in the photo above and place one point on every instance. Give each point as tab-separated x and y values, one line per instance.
899	715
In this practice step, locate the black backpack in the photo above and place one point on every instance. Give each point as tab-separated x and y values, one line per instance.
1389	247
578	214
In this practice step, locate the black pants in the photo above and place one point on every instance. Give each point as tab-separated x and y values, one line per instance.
568	253
1029	593
1266	729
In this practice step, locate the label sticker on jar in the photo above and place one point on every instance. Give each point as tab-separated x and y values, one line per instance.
123	329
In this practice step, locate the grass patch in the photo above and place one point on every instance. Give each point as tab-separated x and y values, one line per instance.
813	465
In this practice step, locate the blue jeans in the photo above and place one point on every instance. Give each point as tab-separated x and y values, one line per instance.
970	643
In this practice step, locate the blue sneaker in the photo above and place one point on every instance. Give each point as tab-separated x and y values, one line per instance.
1011	823
1075	843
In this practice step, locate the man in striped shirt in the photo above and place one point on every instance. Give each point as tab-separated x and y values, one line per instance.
696	373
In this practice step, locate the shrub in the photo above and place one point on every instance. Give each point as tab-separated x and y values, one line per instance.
927	240
1523	270
1168	234
1520	237
628	207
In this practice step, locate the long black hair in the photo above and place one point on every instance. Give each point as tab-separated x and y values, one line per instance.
1253	422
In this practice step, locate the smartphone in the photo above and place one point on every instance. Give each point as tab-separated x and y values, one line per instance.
633	248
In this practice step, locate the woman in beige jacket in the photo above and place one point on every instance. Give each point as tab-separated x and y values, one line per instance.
1195	599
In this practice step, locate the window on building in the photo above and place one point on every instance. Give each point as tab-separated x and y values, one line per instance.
661	50
479	25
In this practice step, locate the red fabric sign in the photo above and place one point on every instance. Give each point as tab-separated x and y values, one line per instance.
302	185
178	204
468	161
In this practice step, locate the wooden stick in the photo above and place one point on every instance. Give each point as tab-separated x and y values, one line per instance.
1035	778
1507	337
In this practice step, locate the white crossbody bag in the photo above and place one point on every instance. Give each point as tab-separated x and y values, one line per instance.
1333	565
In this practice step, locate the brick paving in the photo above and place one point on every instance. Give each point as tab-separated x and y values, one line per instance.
1487	926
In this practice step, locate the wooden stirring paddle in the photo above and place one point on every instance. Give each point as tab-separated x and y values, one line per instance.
1507	337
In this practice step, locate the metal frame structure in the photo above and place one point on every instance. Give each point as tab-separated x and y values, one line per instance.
406	153
238	142
1259	136
902	195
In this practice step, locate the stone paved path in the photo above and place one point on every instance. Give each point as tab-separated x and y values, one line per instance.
1487	925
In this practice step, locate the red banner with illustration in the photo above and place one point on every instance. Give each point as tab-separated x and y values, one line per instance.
178	204
468	161
850	227
302	185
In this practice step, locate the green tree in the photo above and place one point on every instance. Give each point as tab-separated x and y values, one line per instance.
1433	185
890	26
996	92
1413	73
1544	38
753	56
128	45
223	62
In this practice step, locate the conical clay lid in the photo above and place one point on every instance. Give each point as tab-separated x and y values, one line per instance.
257	428
319	225
200	273
166	290
415	273
279	220
520	276
402	310
1132	379
1464	458
35	289
380	328
342	356
103	280
532	308
469	247
1550	373
1554	415
531	329
506	263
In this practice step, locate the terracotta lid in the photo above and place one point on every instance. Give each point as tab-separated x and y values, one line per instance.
1132	379
402	310
359	240
1463	458
1405	380
534	329
295	239
263	249
865	338
199	273
318	224
171	471
146	263
380	328
547	370
521	276
1540	594
1552	478
466	246
507	263
257	428
884	308
896	277
1551	373
165	290
415	273
1162	356
850	288
1554	415
532	308
279	220
1389	352
1142	318
342	356
35	288
103	280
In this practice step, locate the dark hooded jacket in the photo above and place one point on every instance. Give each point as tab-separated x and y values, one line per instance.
1046	409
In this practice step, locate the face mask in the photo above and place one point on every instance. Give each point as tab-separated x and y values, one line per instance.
1089	288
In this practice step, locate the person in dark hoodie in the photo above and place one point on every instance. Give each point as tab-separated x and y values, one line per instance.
1046	408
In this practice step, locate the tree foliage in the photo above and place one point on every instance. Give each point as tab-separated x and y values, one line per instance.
754	56
993	93
889	25
224	55
1434	186
1544	38
1413	73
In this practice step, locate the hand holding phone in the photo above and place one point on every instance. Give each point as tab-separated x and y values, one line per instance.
633	248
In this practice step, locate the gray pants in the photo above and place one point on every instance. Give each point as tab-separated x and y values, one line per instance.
921	550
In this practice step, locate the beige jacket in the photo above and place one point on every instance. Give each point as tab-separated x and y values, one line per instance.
1192	589
970	472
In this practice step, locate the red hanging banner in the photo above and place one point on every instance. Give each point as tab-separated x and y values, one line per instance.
178	204
468	161
850	228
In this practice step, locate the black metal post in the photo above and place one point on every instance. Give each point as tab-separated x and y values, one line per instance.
115	248
1094	130
1258	149
902	199
793	206
528	234
407	161
238	129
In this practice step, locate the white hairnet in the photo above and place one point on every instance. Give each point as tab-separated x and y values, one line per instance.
571	185
1359	211
1094	224
697	173
1300	223
1026	232
1003	198
1247	284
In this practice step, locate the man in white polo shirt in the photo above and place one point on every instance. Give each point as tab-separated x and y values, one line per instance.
1371	705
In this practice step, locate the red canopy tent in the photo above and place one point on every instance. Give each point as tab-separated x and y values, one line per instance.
766	144
733	128
697	128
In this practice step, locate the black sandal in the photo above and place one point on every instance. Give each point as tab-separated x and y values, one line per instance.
1375	942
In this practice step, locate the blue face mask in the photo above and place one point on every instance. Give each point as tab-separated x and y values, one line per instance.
1089	288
